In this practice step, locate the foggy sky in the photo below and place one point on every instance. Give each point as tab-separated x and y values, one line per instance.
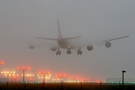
94	20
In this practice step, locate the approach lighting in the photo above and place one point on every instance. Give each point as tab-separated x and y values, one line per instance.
2	63
28	68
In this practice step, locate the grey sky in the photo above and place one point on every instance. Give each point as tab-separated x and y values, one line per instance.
94	20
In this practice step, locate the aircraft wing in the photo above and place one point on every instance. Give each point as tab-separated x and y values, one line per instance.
46	38
72	38
118	38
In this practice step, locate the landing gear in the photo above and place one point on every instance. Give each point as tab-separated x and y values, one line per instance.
79	52
68	51
58	52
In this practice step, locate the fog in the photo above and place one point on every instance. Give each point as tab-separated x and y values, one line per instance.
94	20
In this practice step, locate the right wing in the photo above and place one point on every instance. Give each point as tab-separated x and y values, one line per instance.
46	38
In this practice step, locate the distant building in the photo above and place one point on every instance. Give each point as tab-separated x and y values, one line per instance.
3	80
120	80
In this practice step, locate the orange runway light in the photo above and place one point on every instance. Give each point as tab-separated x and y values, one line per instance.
64	75
28	68
2	63
48	72
23	68
39	72
56	75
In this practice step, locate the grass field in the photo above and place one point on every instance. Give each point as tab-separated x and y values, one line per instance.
65	86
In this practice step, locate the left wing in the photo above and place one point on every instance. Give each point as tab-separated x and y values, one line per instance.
71	38
118	38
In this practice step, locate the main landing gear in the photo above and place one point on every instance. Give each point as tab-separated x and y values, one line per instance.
58	52
79	52
68	51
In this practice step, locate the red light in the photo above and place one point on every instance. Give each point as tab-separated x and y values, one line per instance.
23	68
69	77
28	68
39	72
18	68
44	72
48	72
14	77
11	77
64	75
60	75
56	75
18	77
2	63
77	77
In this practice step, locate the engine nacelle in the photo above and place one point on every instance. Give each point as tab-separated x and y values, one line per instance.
108	44
89	48
53	48
31	46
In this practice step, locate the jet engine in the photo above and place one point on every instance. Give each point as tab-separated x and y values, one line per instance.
108	44
89	48
31	46
53	48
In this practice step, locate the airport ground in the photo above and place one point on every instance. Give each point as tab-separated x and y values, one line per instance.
65	86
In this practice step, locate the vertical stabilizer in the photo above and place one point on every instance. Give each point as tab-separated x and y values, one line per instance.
59	32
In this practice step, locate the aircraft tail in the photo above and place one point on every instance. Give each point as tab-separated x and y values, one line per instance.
59	32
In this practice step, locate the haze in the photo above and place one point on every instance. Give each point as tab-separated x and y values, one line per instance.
94	20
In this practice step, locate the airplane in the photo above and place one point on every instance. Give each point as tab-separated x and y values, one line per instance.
64	43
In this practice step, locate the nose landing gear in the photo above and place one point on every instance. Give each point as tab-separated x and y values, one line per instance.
79	52
58	52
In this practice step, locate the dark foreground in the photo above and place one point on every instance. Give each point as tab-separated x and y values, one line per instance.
65	86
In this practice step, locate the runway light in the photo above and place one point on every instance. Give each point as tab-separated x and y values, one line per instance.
64	75
28	68
39	72
23	68
18	68
56	75
48	72
2	63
